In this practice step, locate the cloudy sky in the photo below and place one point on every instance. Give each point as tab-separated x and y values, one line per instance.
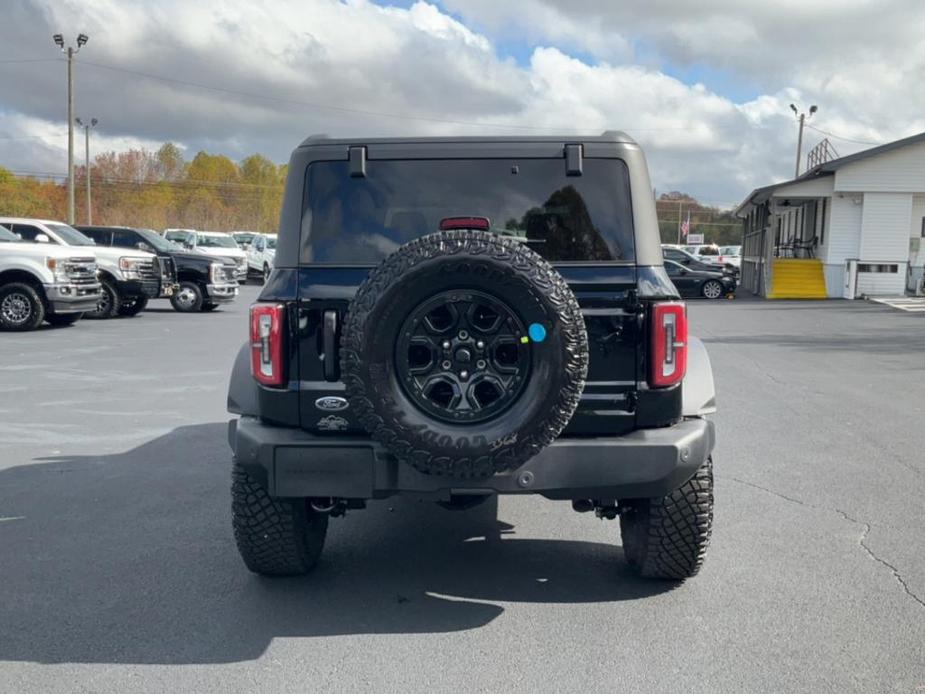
704	86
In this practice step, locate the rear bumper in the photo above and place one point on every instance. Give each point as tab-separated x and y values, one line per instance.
646	463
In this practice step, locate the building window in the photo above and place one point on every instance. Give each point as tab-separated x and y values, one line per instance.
891	268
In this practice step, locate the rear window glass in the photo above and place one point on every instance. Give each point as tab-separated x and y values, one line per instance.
563	218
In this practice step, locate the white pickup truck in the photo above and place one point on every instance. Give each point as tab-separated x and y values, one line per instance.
261	254
44	283
129	277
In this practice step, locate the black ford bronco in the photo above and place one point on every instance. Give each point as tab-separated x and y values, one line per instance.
453	318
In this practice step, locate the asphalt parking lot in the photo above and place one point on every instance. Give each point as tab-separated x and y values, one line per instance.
118	570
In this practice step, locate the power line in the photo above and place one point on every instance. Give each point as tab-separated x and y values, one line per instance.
839	137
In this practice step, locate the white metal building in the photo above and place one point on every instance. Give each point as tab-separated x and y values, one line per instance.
849	227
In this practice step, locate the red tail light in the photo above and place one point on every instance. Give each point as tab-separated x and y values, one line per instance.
668	347
480	223
267	343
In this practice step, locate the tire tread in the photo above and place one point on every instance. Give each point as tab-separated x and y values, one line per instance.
667	537
275	537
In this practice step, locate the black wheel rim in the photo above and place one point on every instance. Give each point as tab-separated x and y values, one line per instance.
104	305
459	356
16	308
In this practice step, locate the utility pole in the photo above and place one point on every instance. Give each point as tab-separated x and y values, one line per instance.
802	117
86	127
679	222
70	51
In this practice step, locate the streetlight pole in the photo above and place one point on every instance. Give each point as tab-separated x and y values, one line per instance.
802	117
70	51
86	127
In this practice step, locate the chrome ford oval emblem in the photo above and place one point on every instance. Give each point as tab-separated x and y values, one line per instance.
332	403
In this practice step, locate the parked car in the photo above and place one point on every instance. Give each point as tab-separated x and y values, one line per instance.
176	234
688	260
261	254
243	238
693	282
388	358
731	255
56	284
215	244
128	277
197	282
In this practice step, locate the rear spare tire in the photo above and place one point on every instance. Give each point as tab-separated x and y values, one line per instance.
464	353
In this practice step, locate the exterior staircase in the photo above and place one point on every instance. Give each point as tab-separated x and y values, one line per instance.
797	278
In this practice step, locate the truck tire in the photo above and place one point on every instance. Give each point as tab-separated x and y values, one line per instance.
275	537
462	328
133	307
60	320
266	274
21	307
667	537
188	297
109	303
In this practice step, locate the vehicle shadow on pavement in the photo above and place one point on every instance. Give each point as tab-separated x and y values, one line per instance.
129	558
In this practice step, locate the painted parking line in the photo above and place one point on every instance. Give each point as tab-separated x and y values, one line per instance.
911	304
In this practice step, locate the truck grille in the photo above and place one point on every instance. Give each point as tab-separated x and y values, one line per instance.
150	273
81	270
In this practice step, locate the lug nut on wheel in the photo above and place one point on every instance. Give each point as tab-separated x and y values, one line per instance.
463	335
464	375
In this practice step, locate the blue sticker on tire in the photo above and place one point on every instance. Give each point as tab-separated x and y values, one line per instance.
537	332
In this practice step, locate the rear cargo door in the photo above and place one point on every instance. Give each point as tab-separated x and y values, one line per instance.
574	211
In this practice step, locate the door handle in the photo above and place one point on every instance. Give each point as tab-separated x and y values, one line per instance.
330	346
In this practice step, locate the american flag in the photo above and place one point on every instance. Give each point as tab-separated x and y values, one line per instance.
686	225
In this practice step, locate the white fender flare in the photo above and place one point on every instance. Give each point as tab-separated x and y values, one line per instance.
698	394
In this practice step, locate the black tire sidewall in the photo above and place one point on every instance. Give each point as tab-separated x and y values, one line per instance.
139	303
36	304
529	286
115	302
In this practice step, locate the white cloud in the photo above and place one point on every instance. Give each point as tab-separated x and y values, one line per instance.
342	67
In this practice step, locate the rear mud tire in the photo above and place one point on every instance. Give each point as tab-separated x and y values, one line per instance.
667	537
275	537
